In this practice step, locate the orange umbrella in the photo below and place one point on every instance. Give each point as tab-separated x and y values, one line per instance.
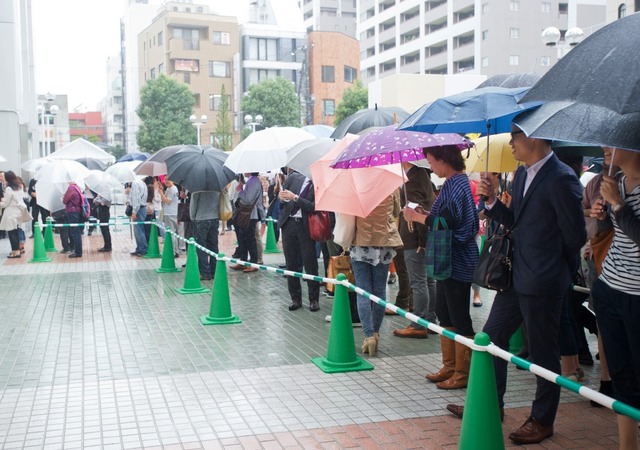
352	191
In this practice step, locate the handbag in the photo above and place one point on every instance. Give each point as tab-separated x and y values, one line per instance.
439	250
344	232
320	226
183	212
600	244
494	266
225	209
337	265
128	211
25	216
242	214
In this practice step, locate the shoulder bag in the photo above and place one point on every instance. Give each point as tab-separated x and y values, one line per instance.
438	251
337	265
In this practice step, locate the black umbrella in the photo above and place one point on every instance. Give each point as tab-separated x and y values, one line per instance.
583	123
562	148
199	169
367	118
603	70
91	163
511	80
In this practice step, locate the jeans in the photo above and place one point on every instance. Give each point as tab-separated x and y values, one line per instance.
142	244
75	232
423	304
207	236
372	279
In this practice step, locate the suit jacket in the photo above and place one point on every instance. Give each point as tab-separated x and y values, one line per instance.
550	228
307	204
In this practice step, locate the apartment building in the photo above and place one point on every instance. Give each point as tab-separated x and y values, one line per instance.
476	36
111	106
330	15
196	47
617	9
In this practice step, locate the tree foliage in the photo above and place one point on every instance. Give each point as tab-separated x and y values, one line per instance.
165	108
354	99
117	151
276	100
223	133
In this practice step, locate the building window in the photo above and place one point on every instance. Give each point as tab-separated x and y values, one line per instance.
328	107
514	60
196	98
485	9
350	74
545	7
186	78
221	38
152	74
485	61
160	38
328	74
219	69
545	61
622	11
160	68
563	8
263	49
514	5
190	38
214	102
514	33
485	35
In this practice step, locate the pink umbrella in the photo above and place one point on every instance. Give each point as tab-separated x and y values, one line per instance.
352	191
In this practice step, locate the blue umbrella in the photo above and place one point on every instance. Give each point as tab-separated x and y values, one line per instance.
487	110
134	156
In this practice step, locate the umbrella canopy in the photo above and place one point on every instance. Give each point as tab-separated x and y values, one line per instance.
511	80
352	191
199	169
487	110
91	163
123	172
501	160
156	165
53	182
265	150
387	145
134	156
585	74
583	123
319	131
575	149
81	148
104	184
302	155
33	165
367	118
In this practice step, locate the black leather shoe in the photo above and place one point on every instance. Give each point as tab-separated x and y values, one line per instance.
295	305
458	411
73	255
314	305
104	250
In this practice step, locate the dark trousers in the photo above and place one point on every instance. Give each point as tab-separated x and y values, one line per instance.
76	233
247	244
452	305
65	235
541	317
14	240
206	235
103	217
300	251
36	211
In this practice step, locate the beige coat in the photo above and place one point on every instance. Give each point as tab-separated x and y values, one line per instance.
379	228
12	209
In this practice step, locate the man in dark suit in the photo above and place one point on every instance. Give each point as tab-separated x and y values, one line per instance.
298	200
549	231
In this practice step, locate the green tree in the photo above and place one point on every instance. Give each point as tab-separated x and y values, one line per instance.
276	100
165	107
117	151
223	131
354	99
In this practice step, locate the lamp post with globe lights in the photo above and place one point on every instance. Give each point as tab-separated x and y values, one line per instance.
198	123
47	112
248	119
551	37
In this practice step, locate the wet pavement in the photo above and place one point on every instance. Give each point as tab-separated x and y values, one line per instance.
102	352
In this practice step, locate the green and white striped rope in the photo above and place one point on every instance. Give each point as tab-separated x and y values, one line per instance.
93	224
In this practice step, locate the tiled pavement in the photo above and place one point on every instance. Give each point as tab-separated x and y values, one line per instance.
101	352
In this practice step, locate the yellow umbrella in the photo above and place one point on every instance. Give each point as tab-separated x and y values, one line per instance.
500	155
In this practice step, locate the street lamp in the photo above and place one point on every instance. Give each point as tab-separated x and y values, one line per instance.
47	114
551	37
198	123
248	119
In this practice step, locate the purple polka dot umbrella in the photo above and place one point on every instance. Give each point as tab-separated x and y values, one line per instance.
387	145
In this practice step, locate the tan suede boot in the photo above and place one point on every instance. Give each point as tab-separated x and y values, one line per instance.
448	360
461	375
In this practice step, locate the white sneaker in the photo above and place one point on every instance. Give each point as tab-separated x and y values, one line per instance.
327	318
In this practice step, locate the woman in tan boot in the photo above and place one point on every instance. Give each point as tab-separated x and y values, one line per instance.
456	205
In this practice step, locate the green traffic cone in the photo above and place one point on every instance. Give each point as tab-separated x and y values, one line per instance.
153	251
49	243
220	309
481	427
341	350
515	343
271	246
39	253
168	263
192	283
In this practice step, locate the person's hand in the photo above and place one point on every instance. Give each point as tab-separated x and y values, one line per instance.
598	210
609	190
487	187
411	215
133	217
286	195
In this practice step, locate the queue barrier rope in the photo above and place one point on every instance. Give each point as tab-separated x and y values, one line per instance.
590	394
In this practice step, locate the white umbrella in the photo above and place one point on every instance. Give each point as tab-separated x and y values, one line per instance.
302	155
53	182
81	148
104	184
124	171
33	165
265	150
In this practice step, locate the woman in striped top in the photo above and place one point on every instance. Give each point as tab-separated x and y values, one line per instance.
616	293
454	203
